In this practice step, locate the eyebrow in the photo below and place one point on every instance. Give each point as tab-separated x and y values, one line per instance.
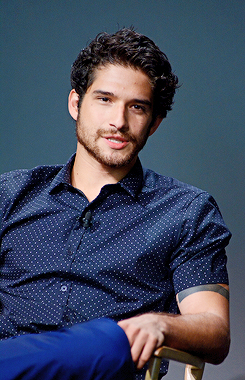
108	93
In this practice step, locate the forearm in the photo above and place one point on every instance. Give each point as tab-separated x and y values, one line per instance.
205	335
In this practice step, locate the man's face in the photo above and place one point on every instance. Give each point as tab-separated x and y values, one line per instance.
115	115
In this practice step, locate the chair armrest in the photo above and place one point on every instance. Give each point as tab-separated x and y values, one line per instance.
194	368
179	356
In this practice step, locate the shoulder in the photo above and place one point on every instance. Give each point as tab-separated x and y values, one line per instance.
17	182
38	174
160	184
178	195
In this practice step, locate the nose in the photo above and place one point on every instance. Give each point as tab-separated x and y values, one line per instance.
118	117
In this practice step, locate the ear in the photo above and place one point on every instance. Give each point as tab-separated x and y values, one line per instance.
155	125
73	100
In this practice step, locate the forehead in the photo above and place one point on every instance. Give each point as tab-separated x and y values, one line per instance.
123	79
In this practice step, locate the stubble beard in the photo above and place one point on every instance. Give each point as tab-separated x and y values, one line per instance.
114	160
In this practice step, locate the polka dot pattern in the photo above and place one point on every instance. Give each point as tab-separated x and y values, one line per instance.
149	237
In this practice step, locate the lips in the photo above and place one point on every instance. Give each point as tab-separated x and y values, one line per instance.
116	142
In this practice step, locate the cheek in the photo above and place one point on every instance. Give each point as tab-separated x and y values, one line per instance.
89	119
97	115
141	130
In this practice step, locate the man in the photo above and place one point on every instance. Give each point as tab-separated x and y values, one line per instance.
101	237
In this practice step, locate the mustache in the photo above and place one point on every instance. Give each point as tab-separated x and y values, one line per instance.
125	135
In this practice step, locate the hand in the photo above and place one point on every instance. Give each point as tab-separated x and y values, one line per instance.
145	334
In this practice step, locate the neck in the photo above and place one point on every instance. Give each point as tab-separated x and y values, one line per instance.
89	176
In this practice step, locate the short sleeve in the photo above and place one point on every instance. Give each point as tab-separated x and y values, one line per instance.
199	257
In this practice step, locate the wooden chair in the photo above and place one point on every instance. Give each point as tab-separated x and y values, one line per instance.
194	366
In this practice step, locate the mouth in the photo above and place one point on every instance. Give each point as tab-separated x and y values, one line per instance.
116	142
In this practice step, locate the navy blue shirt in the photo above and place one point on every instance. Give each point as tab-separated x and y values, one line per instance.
148	238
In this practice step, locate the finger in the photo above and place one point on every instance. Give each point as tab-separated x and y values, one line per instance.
143	349
130	330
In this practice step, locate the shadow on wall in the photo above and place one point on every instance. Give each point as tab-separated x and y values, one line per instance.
241	377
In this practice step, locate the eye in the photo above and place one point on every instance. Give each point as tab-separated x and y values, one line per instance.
139	107
104	99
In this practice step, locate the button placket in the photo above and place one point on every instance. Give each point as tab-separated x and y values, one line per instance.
75	238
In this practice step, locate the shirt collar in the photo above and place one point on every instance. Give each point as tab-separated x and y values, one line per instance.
64	175
132	182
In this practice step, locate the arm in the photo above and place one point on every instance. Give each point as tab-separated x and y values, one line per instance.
202	328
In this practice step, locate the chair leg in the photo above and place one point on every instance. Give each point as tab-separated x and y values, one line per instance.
193	373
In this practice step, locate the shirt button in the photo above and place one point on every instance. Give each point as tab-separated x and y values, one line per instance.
63	288
67	318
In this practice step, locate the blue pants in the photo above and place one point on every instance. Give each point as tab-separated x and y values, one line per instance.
93	350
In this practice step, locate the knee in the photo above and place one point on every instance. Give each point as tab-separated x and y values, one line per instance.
98	349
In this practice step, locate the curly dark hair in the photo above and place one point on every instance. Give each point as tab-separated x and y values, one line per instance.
128	48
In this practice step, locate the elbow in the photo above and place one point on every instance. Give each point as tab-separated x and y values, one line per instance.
221	349
223	352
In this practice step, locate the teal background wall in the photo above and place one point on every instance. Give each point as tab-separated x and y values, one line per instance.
201	141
